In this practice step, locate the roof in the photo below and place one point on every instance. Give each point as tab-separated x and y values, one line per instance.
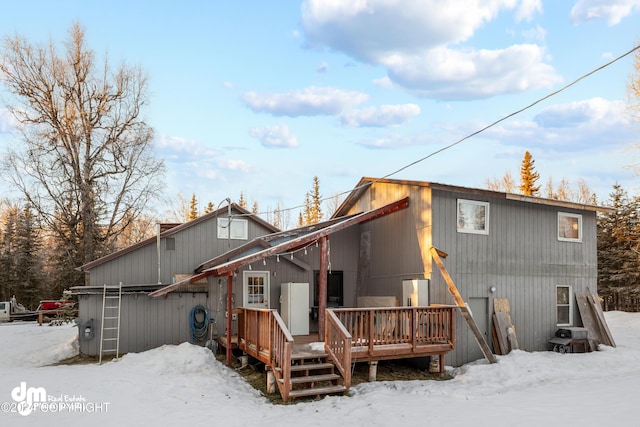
280	243
365	182
167	230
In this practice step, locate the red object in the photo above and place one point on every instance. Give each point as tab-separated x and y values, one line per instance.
53	305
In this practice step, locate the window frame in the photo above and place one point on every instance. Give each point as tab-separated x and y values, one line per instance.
239	229
569	305
565	215
476	203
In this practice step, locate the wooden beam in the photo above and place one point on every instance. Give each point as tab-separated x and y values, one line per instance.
464	310
322	284
229	317
301	241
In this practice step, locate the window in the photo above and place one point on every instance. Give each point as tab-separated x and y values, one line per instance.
256	289
170	243
473	217
569	227
239	229
563	305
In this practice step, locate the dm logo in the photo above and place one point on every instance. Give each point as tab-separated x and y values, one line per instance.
26	398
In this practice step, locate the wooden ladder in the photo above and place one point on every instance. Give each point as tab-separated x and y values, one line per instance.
110	322
314	375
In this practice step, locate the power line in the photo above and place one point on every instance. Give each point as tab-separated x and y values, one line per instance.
479	131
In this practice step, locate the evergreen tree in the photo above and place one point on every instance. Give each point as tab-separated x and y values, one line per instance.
528	176
255	209
193	208
618	256
210	208
28	265
316	202
242	202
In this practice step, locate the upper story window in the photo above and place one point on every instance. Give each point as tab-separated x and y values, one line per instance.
473	217
170	243
238	230
569	227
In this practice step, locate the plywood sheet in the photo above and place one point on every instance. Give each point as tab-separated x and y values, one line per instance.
501	305
502	324
607	337
589	320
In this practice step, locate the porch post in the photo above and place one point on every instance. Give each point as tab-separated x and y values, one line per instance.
229	317
322	284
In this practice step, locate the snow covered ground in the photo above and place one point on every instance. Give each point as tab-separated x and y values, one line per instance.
185	385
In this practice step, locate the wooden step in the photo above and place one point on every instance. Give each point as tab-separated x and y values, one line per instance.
307	356
317	391
315	378
312	366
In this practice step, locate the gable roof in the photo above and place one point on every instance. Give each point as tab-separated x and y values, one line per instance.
365	182
280	243
167	230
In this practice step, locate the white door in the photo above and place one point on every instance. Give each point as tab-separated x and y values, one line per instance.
255	285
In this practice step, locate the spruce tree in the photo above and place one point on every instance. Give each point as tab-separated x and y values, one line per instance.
618	257
193	208
528	176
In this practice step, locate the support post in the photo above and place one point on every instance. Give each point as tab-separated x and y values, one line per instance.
464	310
322	285
229	317
373	371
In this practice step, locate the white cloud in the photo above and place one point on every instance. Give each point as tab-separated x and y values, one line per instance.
417	40
181	150
312	101
383	82
527	9
384	116
394	141
453	75
323	68
278	136
538	34
612	11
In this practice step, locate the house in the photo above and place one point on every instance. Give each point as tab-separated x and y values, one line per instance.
151	264
537	253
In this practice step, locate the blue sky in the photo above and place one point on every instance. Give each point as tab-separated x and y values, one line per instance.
259	97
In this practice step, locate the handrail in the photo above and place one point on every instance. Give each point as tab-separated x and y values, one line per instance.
415	326
263	335
337	344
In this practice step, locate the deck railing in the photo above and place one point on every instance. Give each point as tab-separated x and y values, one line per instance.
351	335
337	343
416	329
263	335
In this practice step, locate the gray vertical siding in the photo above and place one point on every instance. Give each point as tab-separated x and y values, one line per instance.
193	246
146	322
521	256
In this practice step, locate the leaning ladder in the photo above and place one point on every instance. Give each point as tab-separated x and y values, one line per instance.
110	324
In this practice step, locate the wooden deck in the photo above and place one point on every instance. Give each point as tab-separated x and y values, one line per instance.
351	335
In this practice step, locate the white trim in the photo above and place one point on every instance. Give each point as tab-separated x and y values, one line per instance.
563	229
239	229
463	227
245	288
570	304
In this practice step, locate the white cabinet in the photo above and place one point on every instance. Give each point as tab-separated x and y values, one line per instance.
294	307
415	293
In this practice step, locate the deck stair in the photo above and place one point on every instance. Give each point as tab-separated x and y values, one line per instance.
313	375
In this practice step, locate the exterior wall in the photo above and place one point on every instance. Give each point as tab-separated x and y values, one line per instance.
146	323
193	246
394	247
521	257
343	257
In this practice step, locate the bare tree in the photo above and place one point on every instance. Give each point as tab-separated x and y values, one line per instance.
505	184
85	164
